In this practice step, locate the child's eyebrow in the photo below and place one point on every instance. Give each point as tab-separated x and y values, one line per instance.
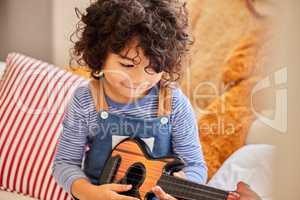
125	57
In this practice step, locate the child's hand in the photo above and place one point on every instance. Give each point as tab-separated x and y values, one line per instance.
108	192
245	192
159	193
180	174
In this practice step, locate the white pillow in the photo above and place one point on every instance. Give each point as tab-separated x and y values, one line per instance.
252	164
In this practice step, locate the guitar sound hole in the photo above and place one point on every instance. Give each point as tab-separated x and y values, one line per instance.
135	175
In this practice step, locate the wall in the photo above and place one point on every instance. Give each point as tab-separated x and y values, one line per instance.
26	27
65	19
288	163
38	28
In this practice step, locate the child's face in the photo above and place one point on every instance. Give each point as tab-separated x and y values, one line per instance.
125	73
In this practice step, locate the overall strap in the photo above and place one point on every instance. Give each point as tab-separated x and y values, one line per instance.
164	100
98	94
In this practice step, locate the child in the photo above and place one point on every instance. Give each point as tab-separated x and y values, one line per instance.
134	49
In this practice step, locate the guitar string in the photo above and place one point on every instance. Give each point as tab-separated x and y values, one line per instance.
149	169
200	195
221	194
151	176
201	191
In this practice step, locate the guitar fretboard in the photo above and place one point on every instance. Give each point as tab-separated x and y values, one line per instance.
188	190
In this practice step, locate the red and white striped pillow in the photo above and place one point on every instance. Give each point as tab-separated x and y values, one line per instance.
33	98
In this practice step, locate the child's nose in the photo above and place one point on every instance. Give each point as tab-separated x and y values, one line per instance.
138	75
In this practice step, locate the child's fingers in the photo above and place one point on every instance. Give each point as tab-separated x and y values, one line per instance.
233	196
246	192
159	193
180	174
242	184
118	187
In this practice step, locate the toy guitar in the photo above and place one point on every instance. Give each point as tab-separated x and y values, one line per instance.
131	163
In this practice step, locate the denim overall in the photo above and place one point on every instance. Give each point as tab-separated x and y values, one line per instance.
113	128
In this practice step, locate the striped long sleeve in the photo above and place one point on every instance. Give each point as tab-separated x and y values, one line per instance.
186	141
66	167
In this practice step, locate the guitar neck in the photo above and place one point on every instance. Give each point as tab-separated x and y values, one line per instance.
187	190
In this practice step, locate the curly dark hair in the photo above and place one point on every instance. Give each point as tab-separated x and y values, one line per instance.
107	26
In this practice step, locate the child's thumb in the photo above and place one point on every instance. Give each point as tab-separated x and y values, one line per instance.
119	187
242	185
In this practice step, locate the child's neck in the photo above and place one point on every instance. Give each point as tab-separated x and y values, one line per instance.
113	94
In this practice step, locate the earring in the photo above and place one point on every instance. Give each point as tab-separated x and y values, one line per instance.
98	73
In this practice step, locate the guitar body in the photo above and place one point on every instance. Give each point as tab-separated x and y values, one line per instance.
131	163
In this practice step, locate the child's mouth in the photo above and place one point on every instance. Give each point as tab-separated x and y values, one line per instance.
134	88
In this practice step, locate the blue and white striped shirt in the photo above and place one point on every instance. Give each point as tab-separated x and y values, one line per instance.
81	115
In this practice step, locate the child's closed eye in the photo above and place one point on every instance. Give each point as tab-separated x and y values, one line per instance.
126	65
